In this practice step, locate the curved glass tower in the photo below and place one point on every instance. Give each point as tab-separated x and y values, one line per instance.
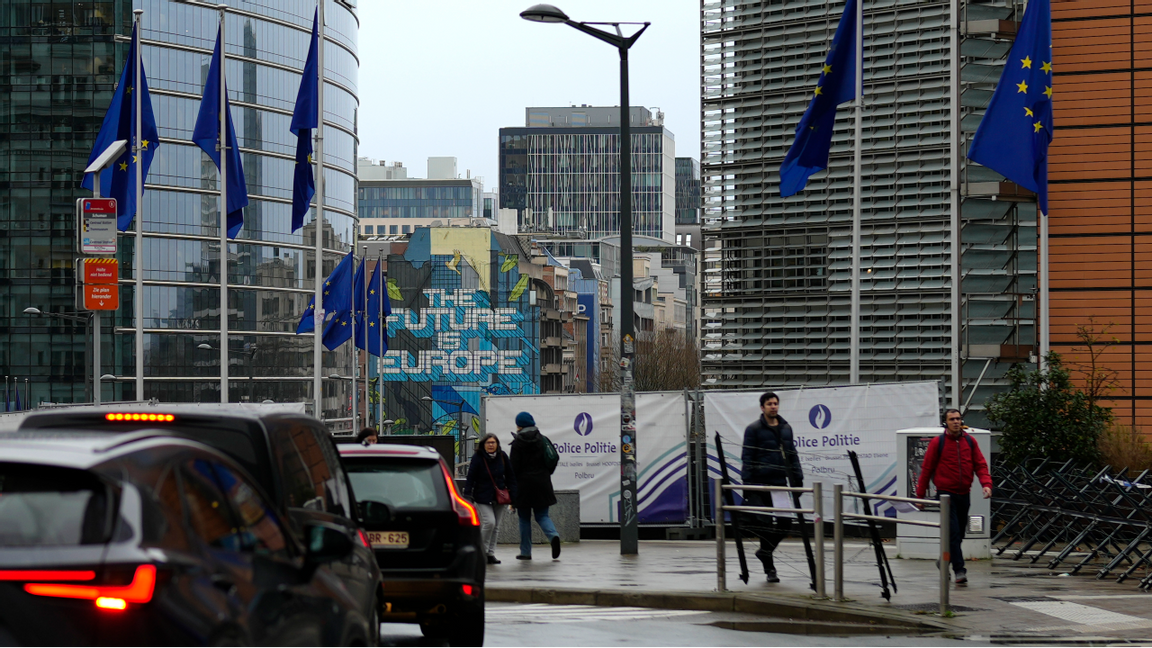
75	61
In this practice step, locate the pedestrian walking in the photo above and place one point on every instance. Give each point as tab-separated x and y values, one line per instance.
769	459
534	482
950	462
491	485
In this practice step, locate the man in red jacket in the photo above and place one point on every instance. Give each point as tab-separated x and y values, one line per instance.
950	462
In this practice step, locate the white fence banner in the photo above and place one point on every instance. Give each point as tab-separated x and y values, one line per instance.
586	431
826	423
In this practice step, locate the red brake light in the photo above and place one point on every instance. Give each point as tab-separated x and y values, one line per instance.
46	574
467	589
364	538
114	597
465	511
139	416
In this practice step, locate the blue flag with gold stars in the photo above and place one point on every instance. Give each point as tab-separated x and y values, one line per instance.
837	84
338	330
206	135
304	118
1013	137
337	295
377	316
119	180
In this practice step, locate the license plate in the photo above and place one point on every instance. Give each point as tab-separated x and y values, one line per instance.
390	539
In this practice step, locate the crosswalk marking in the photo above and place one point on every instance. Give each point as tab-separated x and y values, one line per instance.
1086	617
544	613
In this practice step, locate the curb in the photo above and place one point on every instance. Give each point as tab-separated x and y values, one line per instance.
759	604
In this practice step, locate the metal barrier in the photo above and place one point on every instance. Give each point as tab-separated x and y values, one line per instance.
1091	513
838	494
817	512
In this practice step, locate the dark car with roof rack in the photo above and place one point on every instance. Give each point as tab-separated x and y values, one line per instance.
290	455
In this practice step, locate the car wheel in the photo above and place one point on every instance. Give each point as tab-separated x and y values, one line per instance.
468	629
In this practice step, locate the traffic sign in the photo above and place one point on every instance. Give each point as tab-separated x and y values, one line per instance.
101	297
96	225
99	271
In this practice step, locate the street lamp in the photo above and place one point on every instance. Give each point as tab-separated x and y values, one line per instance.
249	350
355	410
91	347
629	527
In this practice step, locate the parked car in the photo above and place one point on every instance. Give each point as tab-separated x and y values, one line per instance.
291	456
145	538
426	538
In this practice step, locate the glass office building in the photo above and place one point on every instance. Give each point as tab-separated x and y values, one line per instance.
561	172
397	207
61	62
687	191
777	287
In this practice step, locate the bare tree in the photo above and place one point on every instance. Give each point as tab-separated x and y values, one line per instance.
665	361
1098	380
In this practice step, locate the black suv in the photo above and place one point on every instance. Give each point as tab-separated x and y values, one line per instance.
146	538
426	538
291	456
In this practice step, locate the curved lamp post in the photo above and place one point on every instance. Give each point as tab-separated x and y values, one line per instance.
629	527
248	350
91	344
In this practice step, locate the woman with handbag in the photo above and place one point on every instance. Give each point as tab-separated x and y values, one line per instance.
492	487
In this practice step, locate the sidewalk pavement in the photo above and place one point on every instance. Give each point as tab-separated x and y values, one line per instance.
1004	600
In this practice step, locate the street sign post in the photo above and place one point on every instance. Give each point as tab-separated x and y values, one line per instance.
96	226
100	297
99	288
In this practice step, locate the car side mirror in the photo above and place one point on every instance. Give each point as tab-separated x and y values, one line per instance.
326	543
376	512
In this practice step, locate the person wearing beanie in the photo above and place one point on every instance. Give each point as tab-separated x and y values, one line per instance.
534	480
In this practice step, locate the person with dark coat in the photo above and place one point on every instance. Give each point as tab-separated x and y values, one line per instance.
534	479
490	469
768	456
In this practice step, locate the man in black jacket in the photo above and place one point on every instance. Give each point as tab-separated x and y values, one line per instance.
768	456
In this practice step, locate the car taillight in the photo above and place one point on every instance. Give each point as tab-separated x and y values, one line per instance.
364	538
46	574
466	513
106	597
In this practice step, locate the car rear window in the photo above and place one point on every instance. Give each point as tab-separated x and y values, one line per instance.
403	483
241	439
51	506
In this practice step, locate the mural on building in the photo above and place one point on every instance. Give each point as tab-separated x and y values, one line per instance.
463	323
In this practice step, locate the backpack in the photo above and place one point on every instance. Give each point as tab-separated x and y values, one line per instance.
551	457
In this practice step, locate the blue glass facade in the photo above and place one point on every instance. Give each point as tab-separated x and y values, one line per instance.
416	198
687	191
61	63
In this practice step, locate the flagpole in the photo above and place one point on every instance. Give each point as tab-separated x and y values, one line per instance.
1043	225
355	361
854	357
954	197
318	305
383	326
138	271
367	346
223	148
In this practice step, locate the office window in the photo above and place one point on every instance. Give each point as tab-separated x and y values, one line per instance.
406	229
368	229
392	229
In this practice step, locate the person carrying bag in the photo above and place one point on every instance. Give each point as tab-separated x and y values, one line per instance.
493	495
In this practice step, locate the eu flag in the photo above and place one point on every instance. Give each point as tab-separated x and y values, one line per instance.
339	330
206	135
837	84
119	181
371	329
337	295
304	119
1014	135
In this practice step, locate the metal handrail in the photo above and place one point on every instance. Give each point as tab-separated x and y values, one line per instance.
838	494
817	512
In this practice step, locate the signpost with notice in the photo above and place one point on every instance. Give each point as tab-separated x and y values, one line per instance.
96	226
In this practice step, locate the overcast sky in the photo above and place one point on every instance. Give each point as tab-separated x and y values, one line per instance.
441	77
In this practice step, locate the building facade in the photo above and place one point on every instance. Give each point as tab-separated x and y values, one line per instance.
687	191
1099	227
63	62
561	172
399	206
947	269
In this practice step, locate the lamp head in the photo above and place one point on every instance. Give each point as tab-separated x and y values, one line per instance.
205	346
108	377
544	13
32	310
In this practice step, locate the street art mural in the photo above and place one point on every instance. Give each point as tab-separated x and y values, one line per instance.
464	322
